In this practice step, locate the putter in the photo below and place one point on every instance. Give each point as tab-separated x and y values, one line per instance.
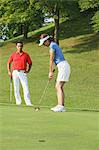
10	89
43	94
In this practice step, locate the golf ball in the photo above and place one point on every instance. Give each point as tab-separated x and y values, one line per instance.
37	109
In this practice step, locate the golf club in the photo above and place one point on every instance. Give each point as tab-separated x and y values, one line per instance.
10	89
43	94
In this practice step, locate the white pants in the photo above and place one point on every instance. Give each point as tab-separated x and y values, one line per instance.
63	71
20	76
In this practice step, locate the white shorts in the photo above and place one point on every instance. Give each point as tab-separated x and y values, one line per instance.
63	71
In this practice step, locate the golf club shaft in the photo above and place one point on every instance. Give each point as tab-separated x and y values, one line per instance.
44	91
10	89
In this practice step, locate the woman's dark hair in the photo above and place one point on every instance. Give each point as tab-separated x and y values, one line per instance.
45	35
51	39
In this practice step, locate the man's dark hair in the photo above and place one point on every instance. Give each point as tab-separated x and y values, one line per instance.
19	42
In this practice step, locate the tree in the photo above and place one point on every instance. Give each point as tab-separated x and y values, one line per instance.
56	18
52	9
94	6
22	13
58	9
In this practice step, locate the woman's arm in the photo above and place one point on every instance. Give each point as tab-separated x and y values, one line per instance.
51	64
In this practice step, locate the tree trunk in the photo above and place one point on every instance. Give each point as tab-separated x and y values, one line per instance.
25	31
56	18
21	29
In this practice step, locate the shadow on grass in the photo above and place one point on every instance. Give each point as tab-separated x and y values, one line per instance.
71	28
88	44
75	27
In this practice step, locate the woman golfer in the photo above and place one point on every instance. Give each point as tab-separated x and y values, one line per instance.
56	56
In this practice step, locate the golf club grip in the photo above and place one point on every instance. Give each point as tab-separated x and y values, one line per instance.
11	78
53	70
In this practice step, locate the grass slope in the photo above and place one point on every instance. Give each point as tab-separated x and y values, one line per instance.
80	47
81	91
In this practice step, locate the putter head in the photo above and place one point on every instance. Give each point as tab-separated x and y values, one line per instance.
37	108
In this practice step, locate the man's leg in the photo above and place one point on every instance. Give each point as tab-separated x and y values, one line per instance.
16	88
24	82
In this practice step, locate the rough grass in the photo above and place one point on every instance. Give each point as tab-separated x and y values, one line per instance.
80	47
81	91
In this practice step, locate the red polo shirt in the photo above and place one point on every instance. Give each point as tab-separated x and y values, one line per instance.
19	60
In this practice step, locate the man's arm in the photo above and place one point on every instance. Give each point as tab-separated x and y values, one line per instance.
29	64
9	66
9	70
28	68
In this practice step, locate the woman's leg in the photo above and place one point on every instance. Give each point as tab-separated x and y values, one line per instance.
60	92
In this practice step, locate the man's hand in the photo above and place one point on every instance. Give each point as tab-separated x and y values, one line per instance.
27	71
10	74
28	68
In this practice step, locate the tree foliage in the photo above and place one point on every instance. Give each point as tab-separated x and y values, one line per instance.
86	4
94	5
95	21
21	12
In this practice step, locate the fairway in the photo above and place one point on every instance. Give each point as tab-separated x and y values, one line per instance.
24	129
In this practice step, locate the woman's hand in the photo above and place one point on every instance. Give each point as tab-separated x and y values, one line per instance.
51	74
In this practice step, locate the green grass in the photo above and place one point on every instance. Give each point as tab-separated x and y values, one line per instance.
24	129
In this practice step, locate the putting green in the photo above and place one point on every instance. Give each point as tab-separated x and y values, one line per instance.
22	128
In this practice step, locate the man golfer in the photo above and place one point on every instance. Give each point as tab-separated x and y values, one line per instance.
21	65
56	56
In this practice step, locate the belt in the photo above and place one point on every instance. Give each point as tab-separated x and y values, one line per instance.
21	70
